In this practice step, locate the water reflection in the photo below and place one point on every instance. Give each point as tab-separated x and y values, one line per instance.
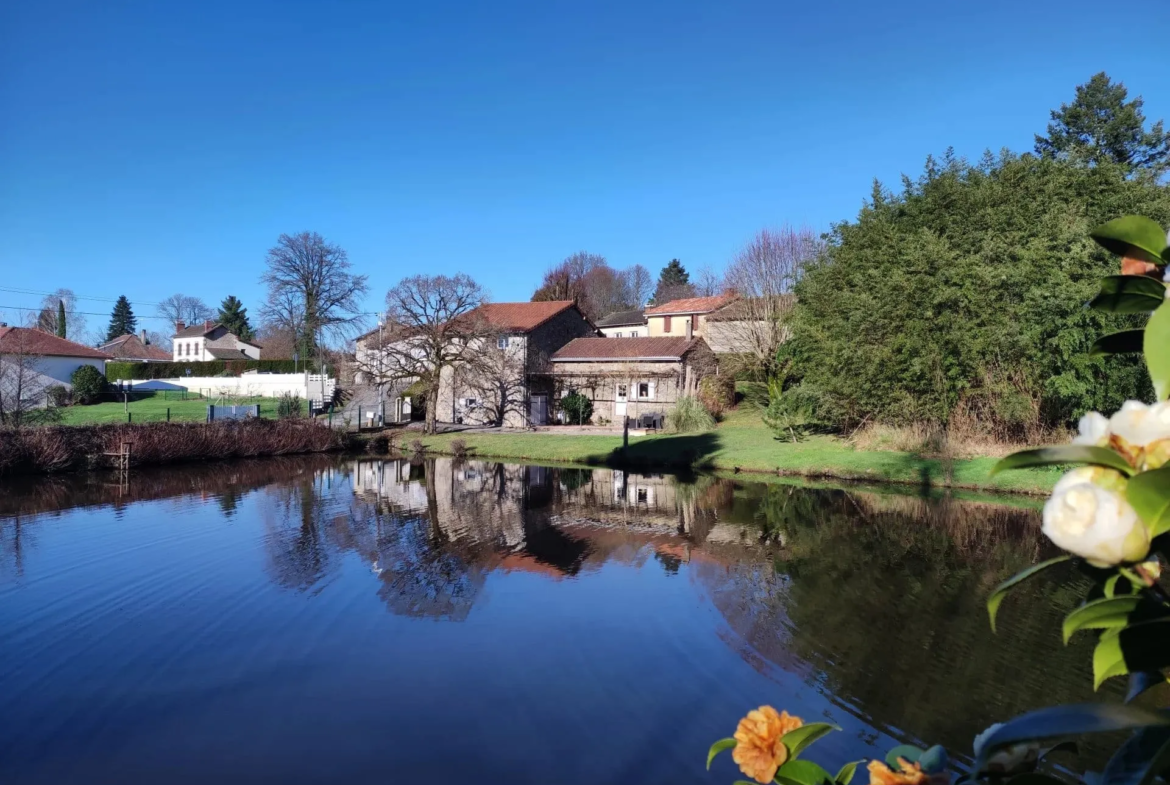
873	600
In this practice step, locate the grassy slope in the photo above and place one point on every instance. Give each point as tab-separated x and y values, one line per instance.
153	409
743	442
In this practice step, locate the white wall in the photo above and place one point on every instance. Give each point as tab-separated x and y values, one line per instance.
57	370
252	385
629	331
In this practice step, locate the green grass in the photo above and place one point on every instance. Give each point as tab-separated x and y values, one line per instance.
152	409
742	442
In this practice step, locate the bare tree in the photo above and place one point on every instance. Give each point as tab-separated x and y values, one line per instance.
183	308
764	274
74	320
311	289
22	385
708	283
431	328
161	339
496	377
279	342
639	285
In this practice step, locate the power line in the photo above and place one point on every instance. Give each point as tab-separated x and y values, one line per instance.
75	295
80	313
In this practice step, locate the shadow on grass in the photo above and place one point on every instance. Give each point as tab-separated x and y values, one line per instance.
684	451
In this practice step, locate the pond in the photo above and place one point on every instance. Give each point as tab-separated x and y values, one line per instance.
322	619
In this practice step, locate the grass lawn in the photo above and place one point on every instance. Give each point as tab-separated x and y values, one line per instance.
743	442
152	409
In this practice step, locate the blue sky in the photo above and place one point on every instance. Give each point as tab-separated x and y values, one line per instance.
148	148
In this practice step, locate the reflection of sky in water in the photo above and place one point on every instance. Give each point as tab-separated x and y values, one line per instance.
314	620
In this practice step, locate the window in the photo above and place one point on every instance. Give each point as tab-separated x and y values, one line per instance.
617	335
501	343
470	403
643	389
666	324
622	392
643	495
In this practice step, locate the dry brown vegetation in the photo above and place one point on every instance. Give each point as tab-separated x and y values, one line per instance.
62	448
962	438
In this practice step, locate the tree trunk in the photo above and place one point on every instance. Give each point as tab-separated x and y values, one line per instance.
432	408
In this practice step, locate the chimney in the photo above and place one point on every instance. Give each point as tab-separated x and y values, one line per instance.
142	337
180	325
690	328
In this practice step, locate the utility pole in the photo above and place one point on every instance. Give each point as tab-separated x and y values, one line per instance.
381	405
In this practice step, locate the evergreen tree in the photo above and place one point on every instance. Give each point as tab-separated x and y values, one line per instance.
674	282
234	316
1101	126
122	320
60	318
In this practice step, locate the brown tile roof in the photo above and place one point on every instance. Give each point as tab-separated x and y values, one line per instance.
583	349
196	330
521	317
622	319
131	347
14	340
740	310
691	305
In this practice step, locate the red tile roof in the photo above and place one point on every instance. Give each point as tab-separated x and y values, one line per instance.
25	340
583	349
691	305
131	347
196	330
521	317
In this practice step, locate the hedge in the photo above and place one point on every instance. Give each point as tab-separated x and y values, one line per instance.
124	370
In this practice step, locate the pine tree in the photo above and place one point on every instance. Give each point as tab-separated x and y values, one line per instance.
122	320
60	318
234	316
674	282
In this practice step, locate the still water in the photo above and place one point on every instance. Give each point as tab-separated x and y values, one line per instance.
320	620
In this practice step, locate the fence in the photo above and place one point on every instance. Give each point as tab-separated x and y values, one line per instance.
249	385
247	412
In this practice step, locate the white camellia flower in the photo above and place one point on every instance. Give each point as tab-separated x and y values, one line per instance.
1089	516
1141	425
1011	759
1093	430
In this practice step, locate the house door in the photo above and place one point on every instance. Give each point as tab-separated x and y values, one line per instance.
538	410
621	396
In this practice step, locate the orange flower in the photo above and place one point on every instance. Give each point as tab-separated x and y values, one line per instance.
909	774
758	749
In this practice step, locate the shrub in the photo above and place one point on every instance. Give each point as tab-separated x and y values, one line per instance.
379	444
416	447
88	384
577	408
790	413
459	448
717	394
289	406
58	395
688	415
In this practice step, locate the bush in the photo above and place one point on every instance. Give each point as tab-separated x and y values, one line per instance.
459	448
789	413
688	415
88	384
58	395
416	447
717	394
577	408
289	406
379	444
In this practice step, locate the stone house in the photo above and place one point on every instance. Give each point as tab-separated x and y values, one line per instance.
511	383
630	377
685	318
135	349
748	326
210	341
623	324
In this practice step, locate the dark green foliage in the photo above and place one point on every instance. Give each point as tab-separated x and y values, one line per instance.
88	384
577	408
965	294
1101	127
289	406
61	319
58	395
123	370
122	320
674	282
234	316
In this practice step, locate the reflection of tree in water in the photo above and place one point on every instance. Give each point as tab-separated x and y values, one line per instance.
295	517
884	598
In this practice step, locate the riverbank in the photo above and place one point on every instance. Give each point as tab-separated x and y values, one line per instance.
70	448
742	443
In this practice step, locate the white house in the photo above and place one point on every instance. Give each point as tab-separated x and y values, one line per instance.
624	324
211	341
33	360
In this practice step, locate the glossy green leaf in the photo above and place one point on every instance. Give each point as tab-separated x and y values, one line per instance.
1100	615
718	747
997	596
798	740
1129	294
1142	646
1133	235
1064	454
1141	681
933	760
1110	587
1157	349
907	751
1145	755
1108	659
802	772
1063	721
1149	494
846	772
1124	342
